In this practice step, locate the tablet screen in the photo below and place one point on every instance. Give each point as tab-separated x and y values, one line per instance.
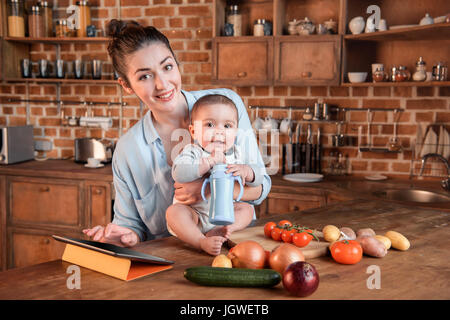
114	250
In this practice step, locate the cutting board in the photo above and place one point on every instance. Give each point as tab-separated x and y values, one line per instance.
313	250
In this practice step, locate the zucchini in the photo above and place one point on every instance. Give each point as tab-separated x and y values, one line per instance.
232	277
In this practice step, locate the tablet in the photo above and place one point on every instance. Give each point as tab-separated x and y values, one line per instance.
114	250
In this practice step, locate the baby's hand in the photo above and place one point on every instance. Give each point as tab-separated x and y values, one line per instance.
244	171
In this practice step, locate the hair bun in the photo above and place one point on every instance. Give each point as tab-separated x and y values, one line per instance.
116	27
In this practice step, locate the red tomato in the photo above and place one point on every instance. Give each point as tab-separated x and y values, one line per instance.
287	235
346	251
301	239
284	223
268	227
276	233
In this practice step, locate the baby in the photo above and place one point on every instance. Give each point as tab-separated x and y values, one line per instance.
214	125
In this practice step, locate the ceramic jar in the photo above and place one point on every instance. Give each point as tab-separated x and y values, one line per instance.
306	27
426	20
356	25
331	26
421	70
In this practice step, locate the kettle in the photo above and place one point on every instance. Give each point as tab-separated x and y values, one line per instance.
221	209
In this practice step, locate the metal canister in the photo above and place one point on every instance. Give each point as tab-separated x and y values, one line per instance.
317	111
440	72
325	111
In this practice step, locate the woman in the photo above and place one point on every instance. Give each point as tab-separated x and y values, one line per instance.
147	67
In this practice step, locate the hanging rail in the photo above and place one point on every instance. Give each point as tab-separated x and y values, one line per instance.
68	102
331	107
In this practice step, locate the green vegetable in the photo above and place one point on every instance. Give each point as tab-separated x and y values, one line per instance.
232	277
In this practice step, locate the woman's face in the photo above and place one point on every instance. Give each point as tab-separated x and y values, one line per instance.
154	77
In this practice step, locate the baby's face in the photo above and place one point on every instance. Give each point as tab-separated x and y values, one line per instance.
215	127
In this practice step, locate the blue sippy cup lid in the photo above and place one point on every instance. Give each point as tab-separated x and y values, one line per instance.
219	171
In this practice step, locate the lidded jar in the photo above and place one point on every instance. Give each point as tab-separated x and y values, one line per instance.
421	70
35	23
379	75
84	18
16	18
47	16
234	17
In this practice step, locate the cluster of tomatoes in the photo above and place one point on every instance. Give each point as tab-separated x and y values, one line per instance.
287	232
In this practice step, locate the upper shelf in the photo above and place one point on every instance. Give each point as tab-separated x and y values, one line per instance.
55	80
438	31
59	40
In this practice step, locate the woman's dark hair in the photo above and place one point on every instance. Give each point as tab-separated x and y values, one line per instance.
126	38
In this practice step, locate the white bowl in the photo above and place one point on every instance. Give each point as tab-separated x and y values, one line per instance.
357	77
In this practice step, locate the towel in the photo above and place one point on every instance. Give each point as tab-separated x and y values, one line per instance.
446	145
430	143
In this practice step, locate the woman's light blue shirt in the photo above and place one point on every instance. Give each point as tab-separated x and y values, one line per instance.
142	177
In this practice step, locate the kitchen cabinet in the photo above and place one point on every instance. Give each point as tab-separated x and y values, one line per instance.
38	200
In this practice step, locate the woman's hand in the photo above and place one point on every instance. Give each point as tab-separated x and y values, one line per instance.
244	171
114	234
190	192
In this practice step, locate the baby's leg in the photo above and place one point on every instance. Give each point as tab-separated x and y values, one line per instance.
183	221
243	216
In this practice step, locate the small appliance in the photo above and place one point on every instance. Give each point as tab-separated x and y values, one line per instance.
16	144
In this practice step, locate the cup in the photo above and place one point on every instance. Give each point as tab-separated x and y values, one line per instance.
60	71
93	162
382	25
269	123
78	69
96	69
429	76
43	68
25	68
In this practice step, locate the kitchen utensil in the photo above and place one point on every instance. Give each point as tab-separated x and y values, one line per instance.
221	211
369	122
308	150
289	152
295	149
376	177
286	122
338	140
313	250
44	69
317	111
394	143
318	153
283	159
257	122
25	68
303	177
96	69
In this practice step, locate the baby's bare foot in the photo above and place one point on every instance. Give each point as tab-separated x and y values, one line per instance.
222	231
212	244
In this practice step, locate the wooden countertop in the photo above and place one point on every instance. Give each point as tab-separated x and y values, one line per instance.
68	169
422	272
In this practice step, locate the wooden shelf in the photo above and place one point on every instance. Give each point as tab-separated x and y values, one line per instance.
399	84
55	40
439	31
55	80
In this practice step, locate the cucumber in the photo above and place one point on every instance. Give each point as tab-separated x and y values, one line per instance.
232	277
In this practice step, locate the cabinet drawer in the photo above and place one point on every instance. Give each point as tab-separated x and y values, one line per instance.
29	247
279	203
305	61
45	202
243	62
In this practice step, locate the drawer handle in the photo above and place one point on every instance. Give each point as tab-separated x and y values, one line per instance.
45	189
306	74
46	241
242	74
98	191
296	208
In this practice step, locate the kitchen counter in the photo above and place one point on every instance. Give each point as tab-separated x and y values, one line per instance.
422	272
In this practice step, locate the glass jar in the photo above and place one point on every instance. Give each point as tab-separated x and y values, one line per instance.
405	74
421	70
47	16
84	18
379	75
258	27
235	18
61	29
35	23
16	18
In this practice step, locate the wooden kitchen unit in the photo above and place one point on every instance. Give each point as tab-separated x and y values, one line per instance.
419	273
39	199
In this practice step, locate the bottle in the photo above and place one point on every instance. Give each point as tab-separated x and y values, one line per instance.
404	73
421	70
16	18
61	29
35	23
84	17
258	27
47	16
379	75
235	18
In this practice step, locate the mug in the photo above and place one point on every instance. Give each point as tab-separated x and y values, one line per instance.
93	162
43	68
382	25
78	69
269	123
60	72
25	68
285	124
96	69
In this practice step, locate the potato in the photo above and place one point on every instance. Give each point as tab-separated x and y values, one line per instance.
398	240
365	232
348	232
331	233
385	240
372	246
222	261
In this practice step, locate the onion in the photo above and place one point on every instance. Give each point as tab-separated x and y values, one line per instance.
301	279
284	255
247	254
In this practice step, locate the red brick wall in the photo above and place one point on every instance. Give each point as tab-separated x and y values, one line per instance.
188	25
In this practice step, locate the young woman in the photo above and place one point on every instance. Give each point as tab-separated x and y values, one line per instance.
142	160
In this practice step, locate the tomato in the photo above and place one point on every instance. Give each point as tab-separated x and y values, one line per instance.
268	228
346	251
301	239
284	223
287	235
276	233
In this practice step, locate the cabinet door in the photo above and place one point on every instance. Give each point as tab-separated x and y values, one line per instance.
2	223
244	61
45	202
280	203
308	60
29	247
98	203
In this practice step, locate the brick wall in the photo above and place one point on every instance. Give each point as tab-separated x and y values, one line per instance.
188	25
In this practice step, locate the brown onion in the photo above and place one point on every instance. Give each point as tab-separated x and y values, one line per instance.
247	254
283	255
